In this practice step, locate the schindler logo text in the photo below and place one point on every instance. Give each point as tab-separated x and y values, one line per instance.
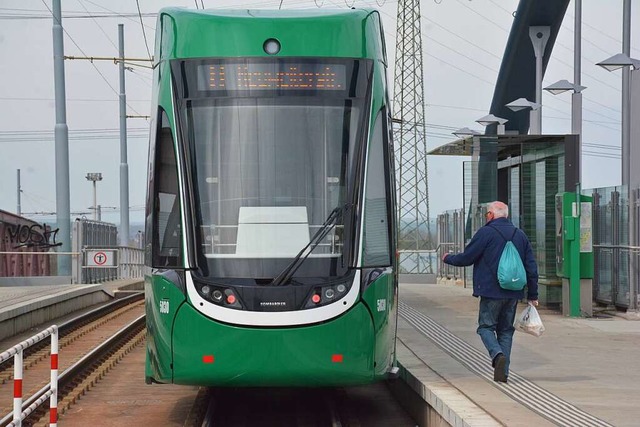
273	303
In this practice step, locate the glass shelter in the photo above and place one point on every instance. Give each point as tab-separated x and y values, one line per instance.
526	172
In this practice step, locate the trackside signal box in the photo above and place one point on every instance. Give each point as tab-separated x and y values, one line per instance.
574	252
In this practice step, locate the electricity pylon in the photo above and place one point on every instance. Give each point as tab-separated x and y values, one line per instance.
410	140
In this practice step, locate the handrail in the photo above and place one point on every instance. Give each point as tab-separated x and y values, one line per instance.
16	351
631	249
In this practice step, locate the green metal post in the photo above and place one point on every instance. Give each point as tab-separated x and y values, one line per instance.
571	243
574	269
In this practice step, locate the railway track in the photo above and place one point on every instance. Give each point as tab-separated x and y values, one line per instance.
92	392
364	406
121	398
78	338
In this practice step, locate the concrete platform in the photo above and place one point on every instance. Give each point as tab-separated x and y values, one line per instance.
580	372
23	307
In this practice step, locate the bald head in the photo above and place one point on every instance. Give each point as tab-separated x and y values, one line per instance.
499	209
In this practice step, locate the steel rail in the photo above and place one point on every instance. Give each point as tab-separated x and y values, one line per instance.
38	398
70	325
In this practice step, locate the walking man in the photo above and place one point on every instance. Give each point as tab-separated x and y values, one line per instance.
497	305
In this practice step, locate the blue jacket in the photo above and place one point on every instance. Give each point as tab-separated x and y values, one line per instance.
484	250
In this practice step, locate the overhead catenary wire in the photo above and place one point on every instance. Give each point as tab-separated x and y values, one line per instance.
144	33
94	66
139	76
99	26
492	69
559	43
594	28
132	17
83	135
40	16
12	98
586	98
438	58
432	105
565	101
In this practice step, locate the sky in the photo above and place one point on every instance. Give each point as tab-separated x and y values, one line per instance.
463	43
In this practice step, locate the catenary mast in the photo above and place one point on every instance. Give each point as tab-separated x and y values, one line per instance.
410	142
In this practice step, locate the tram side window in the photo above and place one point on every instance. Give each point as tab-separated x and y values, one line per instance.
149	210
167	233
376	249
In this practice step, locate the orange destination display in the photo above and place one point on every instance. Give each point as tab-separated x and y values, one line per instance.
271	76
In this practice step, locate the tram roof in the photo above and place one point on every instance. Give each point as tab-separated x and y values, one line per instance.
351	33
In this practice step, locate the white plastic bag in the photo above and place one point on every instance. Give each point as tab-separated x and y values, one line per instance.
529	321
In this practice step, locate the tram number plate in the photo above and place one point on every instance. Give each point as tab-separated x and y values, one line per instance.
382	304
164	306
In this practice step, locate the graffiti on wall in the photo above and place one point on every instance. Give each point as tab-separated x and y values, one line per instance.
32	236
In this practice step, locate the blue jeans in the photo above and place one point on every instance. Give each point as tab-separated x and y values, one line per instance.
495	326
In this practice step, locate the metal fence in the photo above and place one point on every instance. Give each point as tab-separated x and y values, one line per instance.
450	240
616	220
417	261
616	231
92	236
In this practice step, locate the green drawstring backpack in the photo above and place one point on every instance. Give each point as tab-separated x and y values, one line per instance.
511	273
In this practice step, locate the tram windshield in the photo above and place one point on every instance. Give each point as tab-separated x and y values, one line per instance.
272	146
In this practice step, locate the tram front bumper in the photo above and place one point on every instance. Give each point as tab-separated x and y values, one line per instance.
337	352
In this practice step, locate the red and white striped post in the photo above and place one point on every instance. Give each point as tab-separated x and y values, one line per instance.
52	394
53	399
17	388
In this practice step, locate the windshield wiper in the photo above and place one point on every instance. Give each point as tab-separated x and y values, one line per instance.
286	274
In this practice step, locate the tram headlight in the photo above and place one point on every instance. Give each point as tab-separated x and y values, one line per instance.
205	290
217	295
320	296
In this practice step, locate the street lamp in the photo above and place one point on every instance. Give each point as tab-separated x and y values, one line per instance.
520	104
94	177
463	132
539	37
630	101
490	119
616	62
562	86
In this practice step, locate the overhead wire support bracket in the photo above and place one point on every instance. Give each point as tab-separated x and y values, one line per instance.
115	60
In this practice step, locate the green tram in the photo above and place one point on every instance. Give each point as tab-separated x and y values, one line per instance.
270	217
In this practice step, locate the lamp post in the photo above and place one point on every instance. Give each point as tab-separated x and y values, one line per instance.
94	177
630	152
124	166
630	100
616	62
490	119
464	132
535	125
562	86
539	37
